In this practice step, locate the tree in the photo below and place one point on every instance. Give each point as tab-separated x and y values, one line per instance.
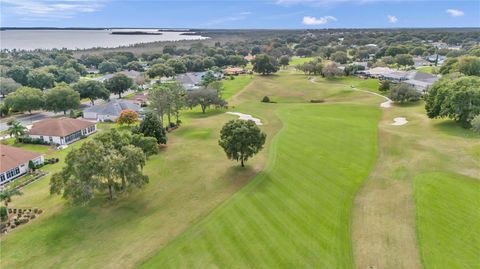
99	166
284	60
205	98
6	195
40	80
160	70
469	65
339	57
384	86
25	99
148	144
264	64
331	70
178	65
159	97
402	93
208	78
19	74
118	84
62	98
16	129
92	59
241	139
8	85
457	99
135	65
404	59
108	67
127	117
67	75
151	126
476	124
92	90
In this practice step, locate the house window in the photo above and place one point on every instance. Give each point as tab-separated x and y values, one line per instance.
2	178
51	139
73	136
41	137
13	172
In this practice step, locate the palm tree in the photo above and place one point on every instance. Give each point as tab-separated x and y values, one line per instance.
6	195
16	129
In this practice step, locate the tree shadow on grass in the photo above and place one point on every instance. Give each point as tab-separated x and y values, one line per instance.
197	114
451	127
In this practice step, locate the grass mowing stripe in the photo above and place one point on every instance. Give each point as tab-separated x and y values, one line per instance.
448	220
307	197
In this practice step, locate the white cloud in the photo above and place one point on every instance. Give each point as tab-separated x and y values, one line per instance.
49	9
236	17
308	20
392	19
326	3
454	12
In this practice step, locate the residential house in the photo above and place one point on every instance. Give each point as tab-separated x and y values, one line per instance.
419	62
233	71
192	80
435	58
14	162
109	111
61	131
421	81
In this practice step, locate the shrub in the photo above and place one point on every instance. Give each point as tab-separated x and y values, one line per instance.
402	93
317	101
13	226
265	99
476	124
384	86
35	141
3	213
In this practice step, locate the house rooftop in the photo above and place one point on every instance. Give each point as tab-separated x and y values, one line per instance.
59	127
113	107
11	157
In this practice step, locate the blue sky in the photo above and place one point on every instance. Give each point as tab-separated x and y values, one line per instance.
241	14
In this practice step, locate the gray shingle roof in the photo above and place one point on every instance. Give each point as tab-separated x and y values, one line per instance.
113	107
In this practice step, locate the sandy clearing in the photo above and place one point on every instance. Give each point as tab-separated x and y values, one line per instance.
246	117
399	121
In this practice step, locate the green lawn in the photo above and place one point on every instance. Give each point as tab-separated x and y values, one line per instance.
448	220
427	69
300	60
237	84
295	214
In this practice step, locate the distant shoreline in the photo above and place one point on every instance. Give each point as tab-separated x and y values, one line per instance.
134	33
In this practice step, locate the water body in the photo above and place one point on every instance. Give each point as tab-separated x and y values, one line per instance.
82	39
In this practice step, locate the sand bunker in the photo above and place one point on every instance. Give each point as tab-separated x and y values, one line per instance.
399	121
246	117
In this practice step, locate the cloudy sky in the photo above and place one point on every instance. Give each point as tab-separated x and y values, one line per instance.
241	13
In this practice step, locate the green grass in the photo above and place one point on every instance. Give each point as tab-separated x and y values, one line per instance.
298	60
30	147
427	69
448	220
296	214
237	84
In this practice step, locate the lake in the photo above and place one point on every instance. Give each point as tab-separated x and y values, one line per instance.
82	39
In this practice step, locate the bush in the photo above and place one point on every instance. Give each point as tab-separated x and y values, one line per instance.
384	86
403	93
317	101
35	141
3	213
476	124
266	99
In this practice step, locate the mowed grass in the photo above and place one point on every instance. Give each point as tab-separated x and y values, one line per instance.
232	86
187	179
448	220
300	60
295	214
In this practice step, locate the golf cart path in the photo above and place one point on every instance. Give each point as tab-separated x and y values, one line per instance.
387	104
246	117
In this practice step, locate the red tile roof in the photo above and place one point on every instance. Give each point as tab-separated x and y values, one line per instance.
59	127
11	157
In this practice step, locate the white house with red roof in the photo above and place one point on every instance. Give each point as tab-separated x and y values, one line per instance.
14	162
62	131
